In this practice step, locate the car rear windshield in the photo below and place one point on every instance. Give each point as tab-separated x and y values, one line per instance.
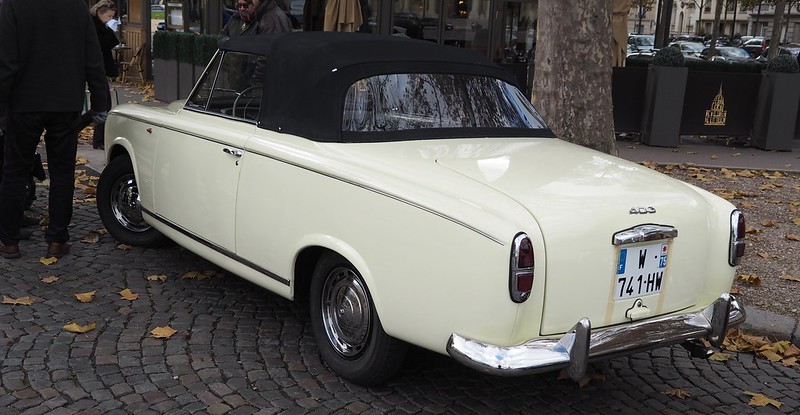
398	102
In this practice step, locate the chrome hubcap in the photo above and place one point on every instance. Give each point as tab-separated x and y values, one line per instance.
345	312
125	204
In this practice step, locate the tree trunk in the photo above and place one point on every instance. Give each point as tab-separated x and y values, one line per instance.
572	76
715	29
777	28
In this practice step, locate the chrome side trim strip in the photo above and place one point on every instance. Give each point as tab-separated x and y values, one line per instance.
389	195
542	355
644	233
179	130
341	179
217	248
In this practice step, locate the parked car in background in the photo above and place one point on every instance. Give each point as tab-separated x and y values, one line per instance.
412	194
755	46
688	48
690	38
721	41
792	49
727	54
641	43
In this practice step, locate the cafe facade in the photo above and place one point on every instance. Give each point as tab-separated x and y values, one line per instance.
502	30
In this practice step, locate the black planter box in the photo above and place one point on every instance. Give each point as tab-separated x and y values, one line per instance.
776	111
165	79
663	106
185	79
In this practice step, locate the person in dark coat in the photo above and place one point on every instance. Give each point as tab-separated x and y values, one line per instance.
271	18
49	52
241	23
102	13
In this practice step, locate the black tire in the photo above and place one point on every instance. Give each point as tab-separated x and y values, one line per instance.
351	341
119	209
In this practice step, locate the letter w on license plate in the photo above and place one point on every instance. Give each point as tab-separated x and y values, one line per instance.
640	270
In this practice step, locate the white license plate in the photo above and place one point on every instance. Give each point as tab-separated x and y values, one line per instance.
640	270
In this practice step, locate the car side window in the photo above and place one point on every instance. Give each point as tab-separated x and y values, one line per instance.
233	89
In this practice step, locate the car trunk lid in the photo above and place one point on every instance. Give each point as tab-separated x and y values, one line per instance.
581	199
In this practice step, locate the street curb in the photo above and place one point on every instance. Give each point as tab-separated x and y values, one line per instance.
772	325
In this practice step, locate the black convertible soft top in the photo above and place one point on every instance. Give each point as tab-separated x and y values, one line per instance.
306	75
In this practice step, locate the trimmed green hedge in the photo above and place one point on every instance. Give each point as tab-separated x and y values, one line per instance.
184	47
165	45
184	44
204	48
702	65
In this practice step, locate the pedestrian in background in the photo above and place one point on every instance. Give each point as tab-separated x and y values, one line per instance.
48	53
103	12
241	23
271	18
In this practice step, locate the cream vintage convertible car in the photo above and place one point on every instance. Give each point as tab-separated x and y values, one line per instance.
412	193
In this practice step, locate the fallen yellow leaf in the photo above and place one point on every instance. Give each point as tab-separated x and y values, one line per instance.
791	351
789	278
796	221
790	362
73	327
735	290
762	400
127	294
678	393
771	356
767	223
793	237
123	247
48	261
27	300
49	280
157	278
163	332
87	297
91	238
750	279
720	357
764	255
714	157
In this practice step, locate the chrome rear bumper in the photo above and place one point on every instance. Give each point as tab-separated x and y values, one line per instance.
575	349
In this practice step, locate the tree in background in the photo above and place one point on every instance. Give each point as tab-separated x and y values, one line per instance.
715	30
641	7
572	76
777	28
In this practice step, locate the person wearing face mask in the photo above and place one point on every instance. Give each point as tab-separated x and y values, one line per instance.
241	23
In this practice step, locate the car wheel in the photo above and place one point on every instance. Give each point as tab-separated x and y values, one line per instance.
346	327
118	206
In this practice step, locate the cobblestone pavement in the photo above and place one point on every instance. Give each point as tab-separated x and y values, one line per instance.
240	349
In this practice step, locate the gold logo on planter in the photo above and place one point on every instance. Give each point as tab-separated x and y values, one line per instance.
717	114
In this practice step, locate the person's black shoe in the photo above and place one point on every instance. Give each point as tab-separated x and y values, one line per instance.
9	251
57	249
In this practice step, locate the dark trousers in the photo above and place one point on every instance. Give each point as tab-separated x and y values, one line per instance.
61	142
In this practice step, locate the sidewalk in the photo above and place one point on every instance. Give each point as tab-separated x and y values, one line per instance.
715	153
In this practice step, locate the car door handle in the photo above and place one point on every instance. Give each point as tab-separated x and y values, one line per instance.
232	151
